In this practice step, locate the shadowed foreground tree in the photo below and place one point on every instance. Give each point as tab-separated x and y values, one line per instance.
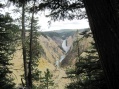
88	71
31	48
8	33
22	3
103	19
27	67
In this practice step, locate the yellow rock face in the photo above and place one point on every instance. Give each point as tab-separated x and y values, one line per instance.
17	67
53	53
44	64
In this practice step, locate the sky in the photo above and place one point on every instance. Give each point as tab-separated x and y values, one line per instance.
66	24
57	25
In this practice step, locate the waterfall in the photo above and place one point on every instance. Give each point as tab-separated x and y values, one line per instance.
64	46
66	49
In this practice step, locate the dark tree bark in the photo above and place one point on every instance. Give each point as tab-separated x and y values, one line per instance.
30	52
103	20
23	45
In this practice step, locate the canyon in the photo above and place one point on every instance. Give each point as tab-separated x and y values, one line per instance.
58	47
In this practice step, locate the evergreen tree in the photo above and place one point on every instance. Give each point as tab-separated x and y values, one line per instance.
89	73
36	49
30	44
90	70
46	81
23	3
8	32
30	48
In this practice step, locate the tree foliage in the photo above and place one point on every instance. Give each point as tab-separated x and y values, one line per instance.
46	81
8	34
37	50
88	73
61	9
31	47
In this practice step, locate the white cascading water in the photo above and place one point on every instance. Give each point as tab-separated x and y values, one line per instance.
66	49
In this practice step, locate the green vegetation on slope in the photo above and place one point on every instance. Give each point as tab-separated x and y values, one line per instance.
63	34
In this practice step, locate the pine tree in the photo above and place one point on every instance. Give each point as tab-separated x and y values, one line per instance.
36	49
46	81
31	46
88	70
8	32
89	73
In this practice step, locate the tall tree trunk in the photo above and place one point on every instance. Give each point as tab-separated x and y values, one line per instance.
104	25
23	45
30	52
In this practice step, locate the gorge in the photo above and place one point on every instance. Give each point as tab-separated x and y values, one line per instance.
56	48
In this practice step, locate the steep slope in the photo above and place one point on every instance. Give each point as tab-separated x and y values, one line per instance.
17	67
51	49
83	43
58	40
52	53
59	35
